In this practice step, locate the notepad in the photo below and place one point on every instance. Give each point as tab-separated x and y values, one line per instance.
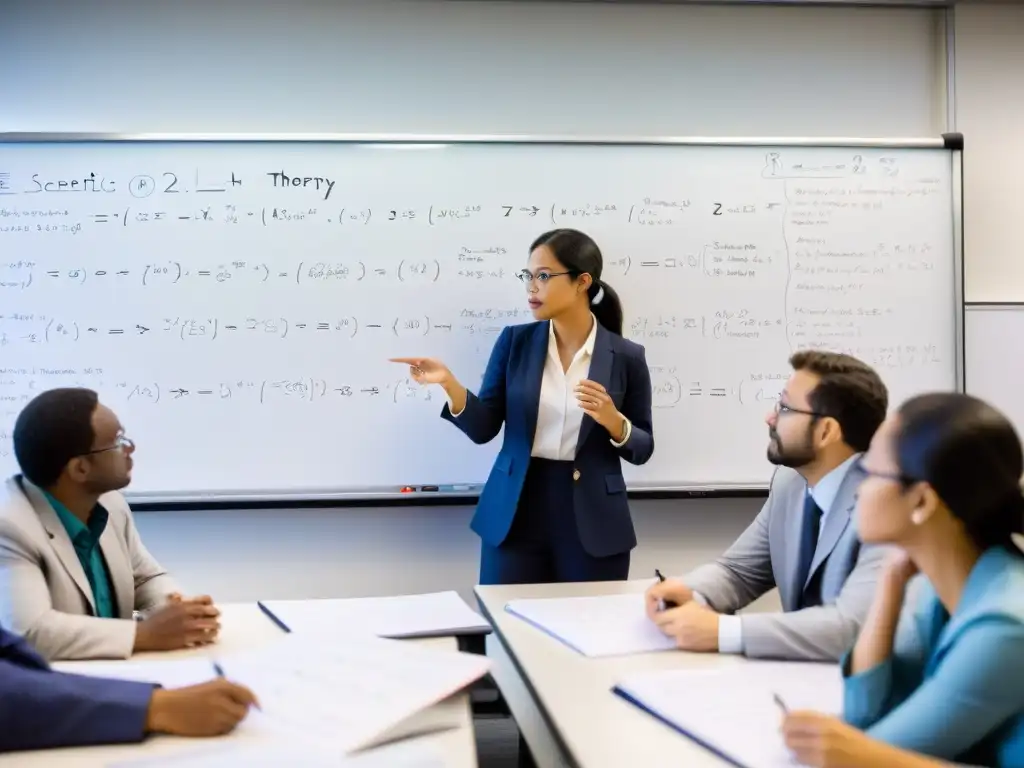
171	673
609	625
352	692
732	711
403	616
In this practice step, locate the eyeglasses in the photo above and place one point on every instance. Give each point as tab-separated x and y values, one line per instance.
782	409
896	477
528	277
122	443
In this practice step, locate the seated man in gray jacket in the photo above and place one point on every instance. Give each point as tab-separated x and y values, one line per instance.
804	540
74	574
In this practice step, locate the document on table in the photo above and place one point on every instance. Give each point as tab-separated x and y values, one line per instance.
409	754
733	711
176	673
430	615
353	692
608	625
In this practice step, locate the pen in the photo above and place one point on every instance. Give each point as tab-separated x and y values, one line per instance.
664	604
781	703
219	670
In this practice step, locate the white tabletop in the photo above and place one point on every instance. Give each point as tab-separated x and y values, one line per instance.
245	627
578	720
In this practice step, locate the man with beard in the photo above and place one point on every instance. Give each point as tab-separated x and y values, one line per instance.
804	540
75	578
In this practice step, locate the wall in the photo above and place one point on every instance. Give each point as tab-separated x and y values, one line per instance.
436	67
989	59
425	66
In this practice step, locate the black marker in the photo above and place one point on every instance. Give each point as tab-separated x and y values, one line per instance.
665	604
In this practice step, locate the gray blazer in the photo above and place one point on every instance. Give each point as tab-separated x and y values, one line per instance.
766	555
44	592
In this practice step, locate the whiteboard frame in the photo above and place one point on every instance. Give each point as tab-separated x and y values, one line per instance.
953	142
941	142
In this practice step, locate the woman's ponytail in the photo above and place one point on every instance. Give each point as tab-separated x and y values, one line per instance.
606	306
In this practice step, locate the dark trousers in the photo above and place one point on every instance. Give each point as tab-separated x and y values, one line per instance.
543	545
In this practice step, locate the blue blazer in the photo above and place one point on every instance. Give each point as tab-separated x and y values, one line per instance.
954	686
43	709
510	395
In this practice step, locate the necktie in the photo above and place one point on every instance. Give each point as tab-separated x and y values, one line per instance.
808	541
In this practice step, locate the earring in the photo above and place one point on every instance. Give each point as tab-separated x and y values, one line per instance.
917	516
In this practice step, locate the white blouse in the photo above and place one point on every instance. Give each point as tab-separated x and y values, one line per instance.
559	415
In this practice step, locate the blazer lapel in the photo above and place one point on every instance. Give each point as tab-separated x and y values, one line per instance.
59	539
794	533
836	521
533	376
122	578
601	372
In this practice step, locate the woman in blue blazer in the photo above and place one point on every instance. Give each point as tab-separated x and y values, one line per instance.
940	673
574	397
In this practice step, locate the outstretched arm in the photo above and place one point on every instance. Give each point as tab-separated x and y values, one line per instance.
483	415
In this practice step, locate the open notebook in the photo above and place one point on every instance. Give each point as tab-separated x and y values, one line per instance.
732	711
429	615
607	625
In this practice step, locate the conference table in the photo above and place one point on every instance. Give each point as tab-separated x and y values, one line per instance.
563	701
245	627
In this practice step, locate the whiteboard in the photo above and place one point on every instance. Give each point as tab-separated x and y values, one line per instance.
236	301
994	357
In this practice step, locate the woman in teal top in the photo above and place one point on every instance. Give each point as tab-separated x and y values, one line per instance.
938	668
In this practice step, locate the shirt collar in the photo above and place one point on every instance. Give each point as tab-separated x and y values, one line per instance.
588	345
75	527
825	492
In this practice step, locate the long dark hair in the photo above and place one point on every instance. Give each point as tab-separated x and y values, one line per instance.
579	254
971	455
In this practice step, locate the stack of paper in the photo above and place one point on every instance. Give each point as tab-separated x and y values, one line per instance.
733	711
608	625
431	615
351	693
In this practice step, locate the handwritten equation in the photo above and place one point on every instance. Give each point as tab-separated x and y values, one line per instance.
646	214
308	389
671	389
24	274
52	330
466	265
37	329
884	356
721	324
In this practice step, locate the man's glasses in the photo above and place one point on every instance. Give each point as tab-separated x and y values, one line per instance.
781	409
121	444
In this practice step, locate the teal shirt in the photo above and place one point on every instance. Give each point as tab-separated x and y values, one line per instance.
86	540
954	686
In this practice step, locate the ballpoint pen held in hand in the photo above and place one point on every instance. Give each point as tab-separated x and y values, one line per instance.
664	605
